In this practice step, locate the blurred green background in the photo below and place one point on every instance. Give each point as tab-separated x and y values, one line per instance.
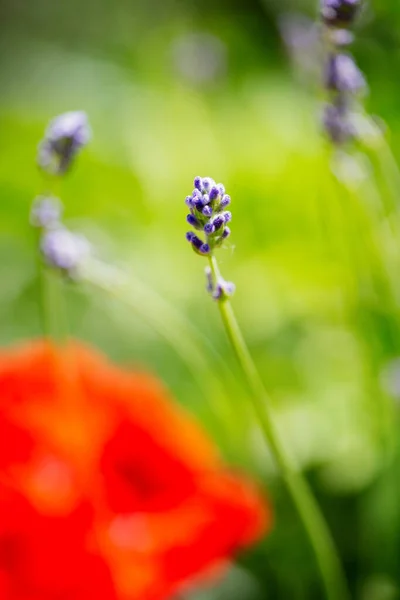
175	89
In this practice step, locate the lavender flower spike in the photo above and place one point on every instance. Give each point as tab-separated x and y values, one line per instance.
207	203
64	137
207	214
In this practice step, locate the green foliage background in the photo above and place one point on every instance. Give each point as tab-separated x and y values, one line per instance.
315	266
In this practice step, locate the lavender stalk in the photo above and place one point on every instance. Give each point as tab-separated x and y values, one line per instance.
207	205
60	251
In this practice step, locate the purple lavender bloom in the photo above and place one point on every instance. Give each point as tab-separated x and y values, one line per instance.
343	75
189	201
207	184
191	219
46	212
199	205
214	193
223	289
64	249
197	244
226	233
339	13
64	137
226	200
218	222
196	194
209	228
207	202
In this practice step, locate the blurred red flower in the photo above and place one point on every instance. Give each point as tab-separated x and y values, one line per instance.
108	490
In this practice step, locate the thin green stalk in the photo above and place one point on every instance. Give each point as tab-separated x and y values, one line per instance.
310	514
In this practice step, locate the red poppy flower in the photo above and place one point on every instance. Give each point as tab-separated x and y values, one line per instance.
108	490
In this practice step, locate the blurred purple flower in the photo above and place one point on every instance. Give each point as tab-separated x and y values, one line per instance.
46	212
64	137
64	249
339	13
343	75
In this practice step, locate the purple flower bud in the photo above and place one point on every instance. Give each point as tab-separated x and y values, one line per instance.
46	212
207	211
196	195
226	233
223	289
206	199
227	215
339	13
189	201
226	200
230	288
343	75
64	249
208	183
199	205
221	188
198	183
214	193
218	222
191	219
65	135
209	228
197	244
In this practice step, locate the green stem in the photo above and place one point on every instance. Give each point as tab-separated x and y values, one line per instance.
305	503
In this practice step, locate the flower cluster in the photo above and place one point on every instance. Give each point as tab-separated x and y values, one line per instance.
99	496
207	205
64	137
343	80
